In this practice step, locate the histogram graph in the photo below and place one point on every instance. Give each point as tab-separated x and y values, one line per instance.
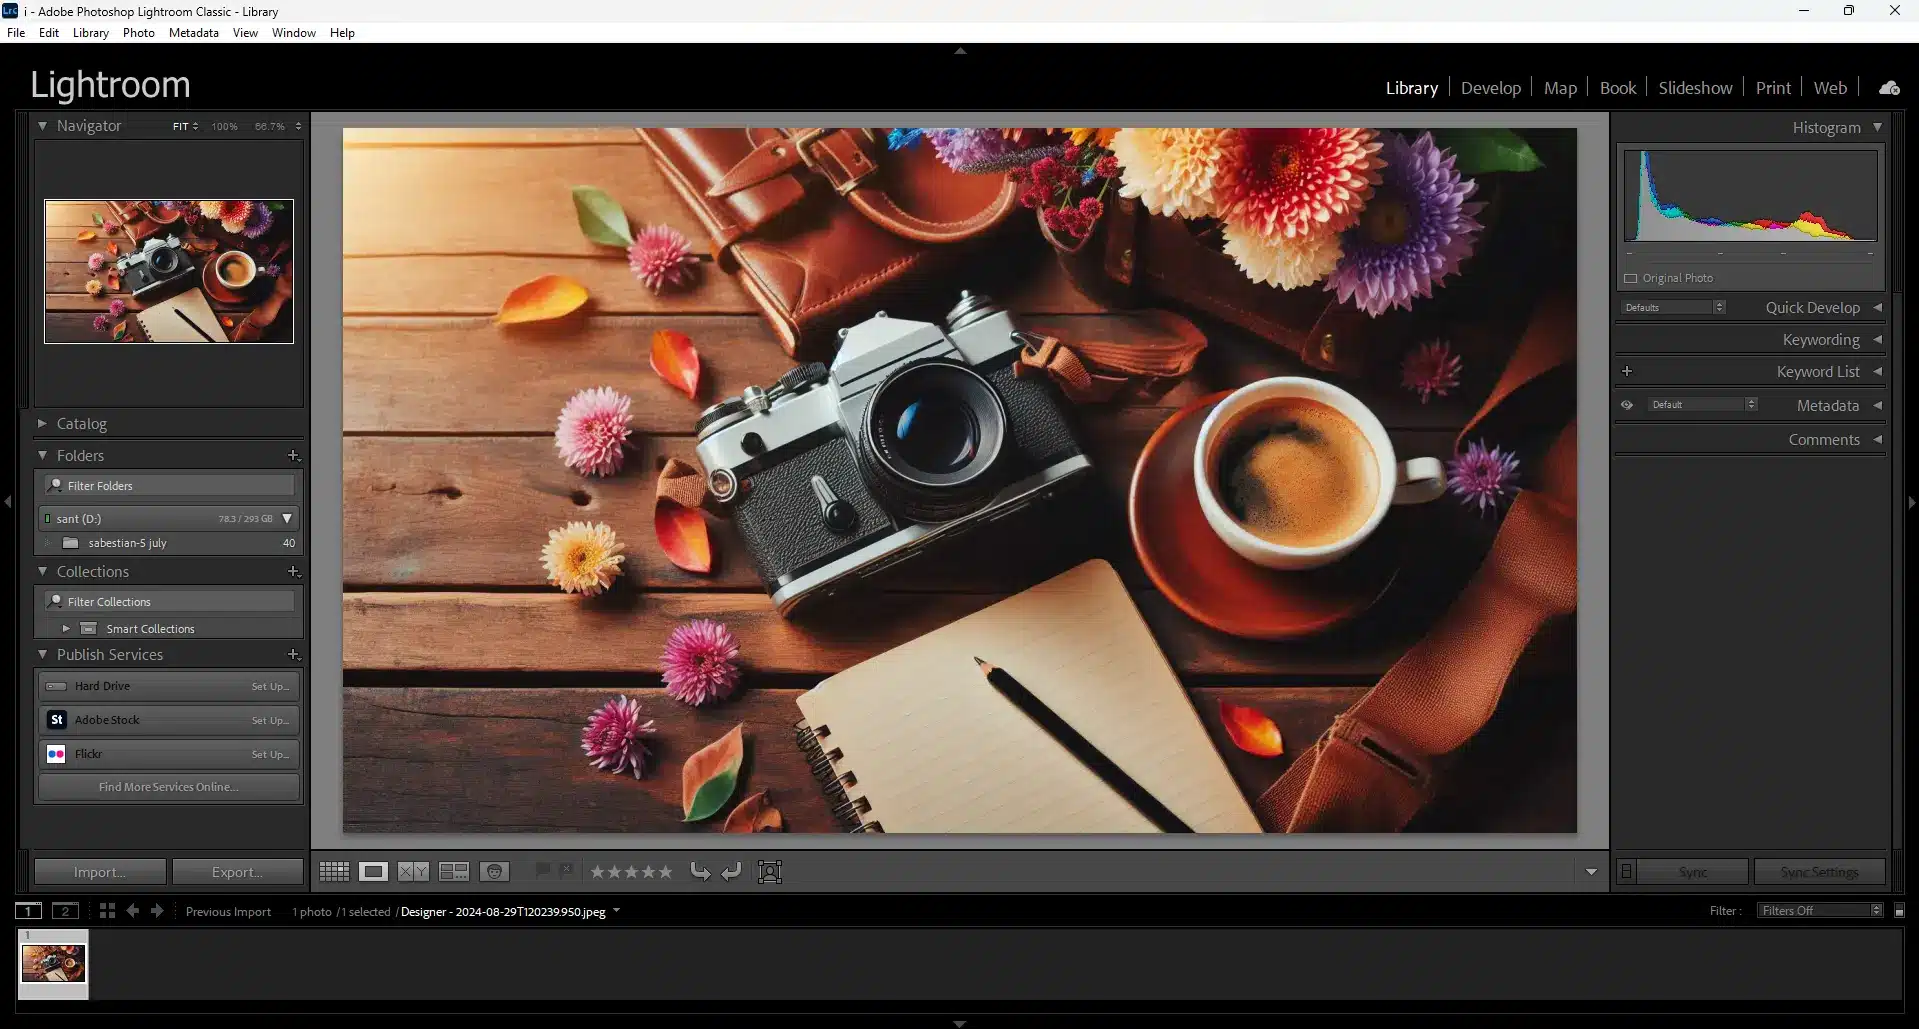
1771	196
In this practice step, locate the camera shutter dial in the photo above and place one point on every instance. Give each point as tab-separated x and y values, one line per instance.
837	515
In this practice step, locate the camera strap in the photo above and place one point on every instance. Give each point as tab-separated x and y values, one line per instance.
1372	771
1153	352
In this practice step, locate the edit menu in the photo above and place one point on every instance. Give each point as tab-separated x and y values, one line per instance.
163	594
1755	402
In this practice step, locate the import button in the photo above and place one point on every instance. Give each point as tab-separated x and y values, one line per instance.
1694	872
99	872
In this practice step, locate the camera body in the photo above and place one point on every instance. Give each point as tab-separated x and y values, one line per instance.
161	265
917	434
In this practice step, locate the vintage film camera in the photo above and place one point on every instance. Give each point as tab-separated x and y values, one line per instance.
916	435
161	266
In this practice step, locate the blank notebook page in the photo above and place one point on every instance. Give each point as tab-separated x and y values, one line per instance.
934	748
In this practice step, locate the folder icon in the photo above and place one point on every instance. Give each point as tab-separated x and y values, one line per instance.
69	543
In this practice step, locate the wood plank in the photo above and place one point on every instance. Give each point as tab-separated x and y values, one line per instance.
472	511
470	286
74	215
424	375
492	136
462	285
494	200
622	631
505	760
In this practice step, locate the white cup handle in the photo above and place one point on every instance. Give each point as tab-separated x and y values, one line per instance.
1420	479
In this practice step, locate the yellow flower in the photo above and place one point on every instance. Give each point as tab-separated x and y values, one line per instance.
94	286
582	558
1171	171
1279	261
1102	138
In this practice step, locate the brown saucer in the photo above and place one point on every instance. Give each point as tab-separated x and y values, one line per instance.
1195	569
219	291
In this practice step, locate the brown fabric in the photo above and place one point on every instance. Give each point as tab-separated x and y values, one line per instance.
682	483
1371	772
824	227
1161	350
1135	258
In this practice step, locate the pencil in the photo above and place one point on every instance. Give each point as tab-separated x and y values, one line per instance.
1082	748
191	324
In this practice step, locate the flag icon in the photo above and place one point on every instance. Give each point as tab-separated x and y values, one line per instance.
56	753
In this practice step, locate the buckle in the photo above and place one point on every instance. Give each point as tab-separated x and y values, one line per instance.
831	171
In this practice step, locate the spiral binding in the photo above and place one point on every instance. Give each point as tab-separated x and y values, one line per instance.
846	809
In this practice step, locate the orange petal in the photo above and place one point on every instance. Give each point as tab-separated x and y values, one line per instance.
544	298
114	249
675	360
755	814
120	331
683	538
86	234
1250	730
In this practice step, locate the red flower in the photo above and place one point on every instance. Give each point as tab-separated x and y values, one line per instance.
1106	167
1090	208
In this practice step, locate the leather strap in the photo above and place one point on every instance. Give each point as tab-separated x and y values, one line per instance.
848	160
1090	371
1372	771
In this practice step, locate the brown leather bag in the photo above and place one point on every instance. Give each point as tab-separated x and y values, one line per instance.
825	226
1135	258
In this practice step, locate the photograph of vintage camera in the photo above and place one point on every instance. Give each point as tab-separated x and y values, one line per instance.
916	434
161	266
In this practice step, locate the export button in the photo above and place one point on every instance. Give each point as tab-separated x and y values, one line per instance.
239	872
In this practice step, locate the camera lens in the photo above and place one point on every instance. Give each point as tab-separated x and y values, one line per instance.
164	261
930	440
935	433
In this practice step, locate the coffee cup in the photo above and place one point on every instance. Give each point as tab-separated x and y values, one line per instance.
235	269
1294	473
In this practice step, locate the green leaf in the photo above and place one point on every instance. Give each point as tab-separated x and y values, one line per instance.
709	776
713	795
1477	151
97	220
601	217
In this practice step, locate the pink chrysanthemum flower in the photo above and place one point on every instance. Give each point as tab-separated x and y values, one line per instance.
661	258
593	428
95	262
1432	369
700	664
100	322
614	737
1483	476
116	307
1296	182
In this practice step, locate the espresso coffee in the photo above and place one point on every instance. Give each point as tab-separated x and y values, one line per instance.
1297	473
233	271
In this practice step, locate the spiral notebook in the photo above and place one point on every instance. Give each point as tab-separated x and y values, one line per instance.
186	318
915	740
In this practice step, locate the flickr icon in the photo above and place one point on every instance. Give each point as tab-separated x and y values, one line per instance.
56	753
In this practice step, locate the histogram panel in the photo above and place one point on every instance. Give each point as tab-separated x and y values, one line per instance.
1791	196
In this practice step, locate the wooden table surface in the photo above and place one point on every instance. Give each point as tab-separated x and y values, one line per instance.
71	309
469	677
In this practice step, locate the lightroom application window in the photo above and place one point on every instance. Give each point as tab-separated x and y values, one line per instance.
1447	512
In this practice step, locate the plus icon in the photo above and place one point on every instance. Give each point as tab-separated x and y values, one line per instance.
293	654
293	456
1626	370
294	571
